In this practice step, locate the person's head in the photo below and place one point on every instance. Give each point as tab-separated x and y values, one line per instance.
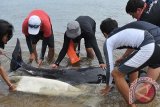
34	24
107	26
73	29
6	31
135	8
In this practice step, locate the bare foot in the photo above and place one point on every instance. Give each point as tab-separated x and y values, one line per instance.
106	90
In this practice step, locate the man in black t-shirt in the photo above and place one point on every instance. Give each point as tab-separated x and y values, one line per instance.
82	27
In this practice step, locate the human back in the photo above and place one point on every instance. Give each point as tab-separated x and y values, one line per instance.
151	28
45	20
86	23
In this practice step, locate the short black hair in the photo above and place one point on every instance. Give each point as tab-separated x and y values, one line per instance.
6	28
133	5
108	25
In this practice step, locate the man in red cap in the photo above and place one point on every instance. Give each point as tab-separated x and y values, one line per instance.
37	26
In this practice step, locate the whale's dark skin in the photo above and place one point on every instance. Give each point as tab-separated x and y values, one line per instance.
94	75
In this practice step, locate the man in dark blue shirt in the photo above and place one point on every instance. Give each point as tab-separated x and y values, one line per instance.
145	11
6	32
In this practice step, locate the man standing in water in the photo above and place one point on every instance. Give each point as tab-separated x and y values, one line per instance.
82	27
134	36
35	27
6	32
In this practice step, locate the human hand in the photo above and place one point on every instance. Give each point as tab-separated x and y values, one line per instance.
12	87
2	52
54	65
106	90
117	62
40	62
103	66
33	57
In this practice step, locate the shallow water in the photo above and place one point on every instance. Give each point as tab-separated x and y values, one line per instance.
61	12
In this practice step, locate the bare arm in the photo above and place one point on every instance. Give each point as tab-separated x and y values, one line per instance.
128	52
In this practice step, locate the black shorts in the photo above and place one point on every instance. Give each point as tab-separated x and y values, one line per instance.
133	63
88	44
49	40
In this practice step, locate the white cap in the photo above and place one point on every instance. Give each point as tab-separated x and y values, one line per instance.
73	29
34	23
